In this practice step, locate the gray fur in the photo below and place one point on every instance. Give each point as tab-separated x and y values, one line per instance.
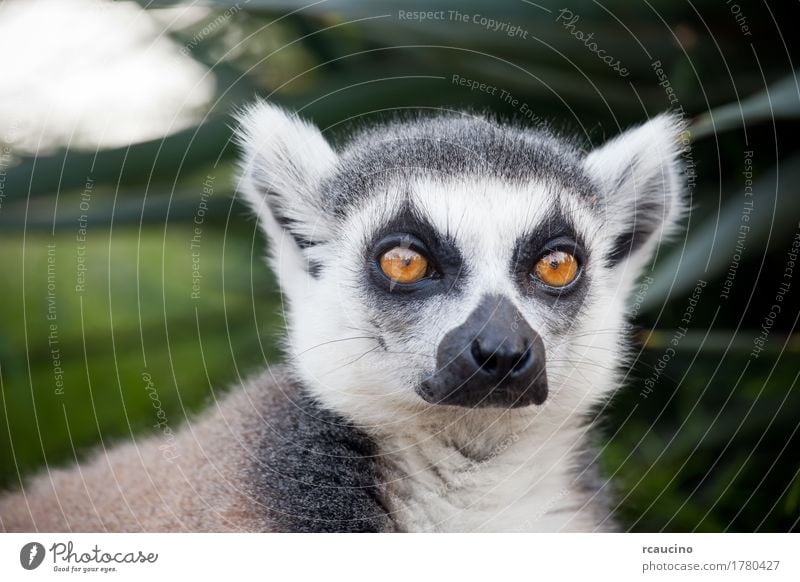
316	472
341	439
449	145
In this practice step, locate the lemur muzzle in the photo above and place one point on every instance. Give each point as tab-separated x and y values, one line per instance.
493	359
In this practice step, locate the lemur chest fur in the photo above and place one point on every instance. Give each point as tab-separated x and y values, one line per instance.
457	296
457	293
524	481
316	471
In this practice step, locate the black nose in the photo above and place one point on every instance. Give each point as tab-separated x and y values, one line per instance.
506	359
493	359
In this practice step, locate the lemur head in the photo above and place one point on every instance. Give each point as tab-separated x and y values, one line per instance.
456	262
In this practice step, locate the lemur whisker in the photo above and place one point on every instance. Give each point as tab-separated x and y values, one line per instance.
335	341
419	354
457	351
583	363
353	361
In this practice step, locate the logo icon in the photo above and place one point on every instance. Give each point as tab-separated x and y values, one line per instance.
31	555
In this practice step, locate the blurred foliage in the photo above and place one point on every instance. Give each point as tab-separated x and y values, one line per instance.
712	447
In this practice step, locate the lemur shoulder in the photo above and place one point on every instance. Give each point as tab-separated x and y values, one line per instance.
456	310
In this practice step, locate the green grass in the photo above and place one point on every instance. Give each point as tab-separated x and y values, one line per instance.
135	316
700	453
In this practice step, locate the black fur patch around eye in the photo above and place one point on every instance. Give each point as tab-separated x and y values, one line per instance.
440	250
554	233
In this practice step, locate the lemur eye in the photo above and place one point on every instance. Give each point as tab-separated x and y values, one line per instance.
557	269
404	265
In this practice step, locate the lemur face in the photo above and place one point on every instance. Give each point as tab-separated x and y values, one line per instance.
456	262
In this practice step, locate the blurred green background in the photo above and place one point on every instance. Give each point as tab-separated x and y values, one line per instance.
702	439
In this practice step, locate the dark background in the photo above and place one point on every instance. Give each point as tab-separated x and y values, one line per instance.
712	447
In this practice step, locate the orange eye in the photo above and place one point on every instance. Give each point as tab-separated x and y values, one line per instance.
557	269
404	265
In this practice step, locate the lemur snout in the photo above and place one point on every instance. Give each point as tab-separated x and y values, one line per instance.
493	359
509	357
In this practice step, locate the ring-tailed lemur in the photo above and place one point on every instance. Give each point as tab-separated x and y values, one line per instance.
456	293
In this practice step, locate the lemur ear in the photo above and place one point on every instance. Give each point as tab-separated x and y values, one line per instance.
284	160
639	174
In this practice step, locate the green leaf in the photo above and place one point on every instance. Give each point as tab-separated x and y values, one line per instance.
710	248
137	163
779	100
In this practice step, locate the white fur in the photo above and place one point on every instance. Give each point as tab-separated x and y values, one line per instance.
654	178
286	156
525	478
